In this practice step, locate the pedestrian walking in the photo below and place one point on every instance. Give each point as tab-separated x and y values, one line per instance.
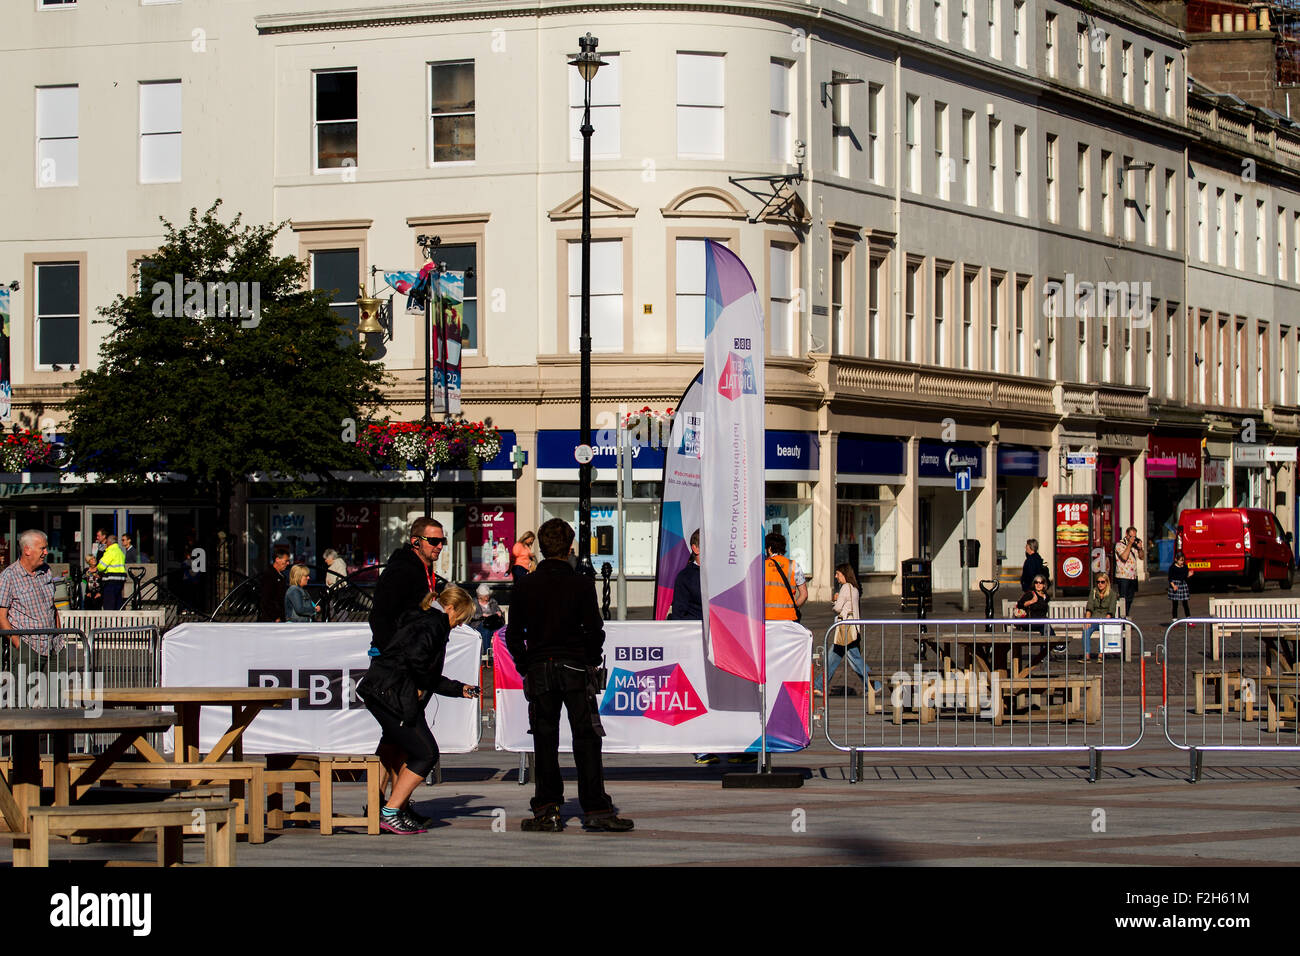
27	596
522	552
848	639
272	587
1180	587
1033	566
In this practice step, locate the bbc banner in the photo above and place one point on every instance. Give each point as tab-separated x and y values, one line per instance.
663	696
679	518
731	452
326	660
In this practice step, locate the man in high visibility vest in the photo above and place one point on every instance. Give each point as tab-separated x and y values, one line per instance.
112	568
784	587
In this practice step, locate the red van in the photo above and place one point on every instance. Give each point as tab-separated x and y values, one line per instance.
1247	545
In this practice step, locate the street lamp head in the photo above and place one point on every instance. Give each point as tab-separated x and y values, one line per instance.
588	61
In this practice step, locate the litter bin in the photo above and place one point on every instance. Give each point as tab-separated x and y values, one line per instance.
916	586
970	552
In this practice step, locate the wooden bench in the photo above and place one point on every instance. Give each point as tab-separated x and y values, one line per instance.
324	770
168	819
916	691
1081	699
1278	694
245	779
1261	609
1224	692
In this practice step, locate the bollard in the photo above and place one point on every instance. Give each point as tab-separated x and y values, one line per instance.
606	570
988	600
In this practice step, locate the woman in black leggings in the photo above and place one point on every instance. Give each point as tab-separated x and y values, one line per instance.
397	689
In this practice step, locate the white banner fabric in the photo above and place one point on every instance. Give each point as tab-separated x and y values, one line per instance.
663	696
326	660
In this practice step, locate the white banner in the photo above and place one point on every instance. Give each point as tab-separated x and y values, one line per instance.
732	448
326	660
663	696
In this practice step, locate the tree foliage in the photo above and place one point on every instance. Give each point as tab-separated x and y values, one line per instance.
216	397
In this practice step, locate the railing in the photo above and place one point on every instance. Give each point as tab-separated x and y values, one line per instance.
1004	686
923	385
1239	683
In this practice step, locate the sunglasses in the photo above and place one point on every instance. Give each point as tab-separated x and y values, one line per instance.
435	542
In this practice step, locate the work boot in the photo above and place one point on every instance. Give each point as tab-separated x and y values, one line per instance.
544	820
606	822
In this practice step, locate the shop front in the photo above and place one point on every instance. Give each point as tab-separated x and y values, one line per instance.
1249	475
366	517
791	466
557	474
1173	474
869	477
1021	471
939	517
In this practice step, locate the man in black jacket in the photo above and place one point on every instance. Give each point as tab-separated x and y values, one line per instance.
402	585
1033	567
272	587
555	637
688	603
406	579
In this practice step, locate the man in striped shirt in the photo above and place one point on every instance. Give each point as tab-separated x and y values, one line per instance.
27	596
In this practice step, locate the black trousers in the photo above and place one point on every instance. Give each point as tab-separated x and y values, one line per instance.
415	740
113	595
551	686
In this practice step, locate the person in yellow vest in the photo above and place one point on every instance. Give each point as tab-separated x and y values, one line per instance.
784	587
112	568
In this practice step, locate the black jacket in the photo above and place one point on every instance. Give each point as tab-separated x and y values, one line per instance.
1034	566
403	677
402	586
553	614
271	589
688	605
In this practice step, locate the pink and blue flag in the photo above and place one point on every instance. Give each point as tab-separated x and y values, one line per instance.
679	518
731	473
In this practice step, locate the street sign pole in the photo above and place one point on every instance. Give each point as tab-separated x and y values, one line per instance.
965	556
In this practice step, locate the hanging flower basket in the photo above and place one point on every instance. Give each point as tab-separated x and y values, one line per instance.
26	451
648	417
454	444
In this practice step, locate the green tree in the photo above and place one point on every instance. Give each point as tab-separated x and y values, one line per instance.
195	388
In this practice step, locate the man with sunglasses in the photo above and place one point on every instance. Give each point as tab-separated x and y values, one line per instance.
405	580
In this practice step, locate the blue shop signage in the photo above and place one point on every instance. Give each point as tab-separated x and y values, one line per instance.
791	451
856	455
945	460
555	450
1015	460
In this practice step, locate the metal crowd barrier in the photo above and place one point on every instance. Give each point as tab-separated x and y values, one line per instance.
985	686
44	669
1230	684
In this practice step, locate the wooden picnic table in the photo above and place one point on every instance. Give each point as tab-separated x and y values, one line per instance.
26	726
996	651
245	704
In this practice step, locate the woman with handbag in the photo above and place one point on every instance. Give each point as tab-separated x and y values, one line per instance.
397	689
847	639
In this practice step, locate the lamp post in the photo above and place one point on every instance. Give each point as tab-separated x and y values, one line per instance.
587	62
427	245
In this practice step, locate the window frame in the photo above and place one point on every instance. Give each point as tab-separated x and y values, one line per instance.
679	105
45	374
180	132
566	239
318	169
728	237
431	144
39	140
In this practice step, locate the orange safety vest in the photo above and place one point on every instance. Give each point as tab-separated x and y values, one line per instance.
778	599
